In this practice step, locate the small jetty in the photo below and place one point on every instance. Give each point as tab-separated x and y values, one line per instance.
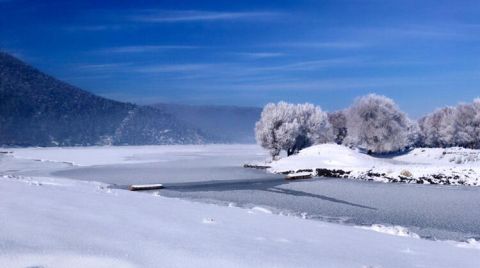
299	176
256	166
145	187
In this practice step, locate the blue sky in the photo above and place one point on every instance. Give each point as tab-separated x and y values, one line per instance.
424	54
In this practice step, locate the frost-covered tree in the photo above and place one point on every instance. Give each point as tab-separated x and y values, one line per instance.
452	126
268	127
438	129
464	126
467	125
376	124
414	136
291	127
475	122
338	121
314	124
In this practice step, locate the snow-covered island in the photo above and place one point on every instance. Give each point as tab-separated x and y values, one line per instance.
373	140
451	166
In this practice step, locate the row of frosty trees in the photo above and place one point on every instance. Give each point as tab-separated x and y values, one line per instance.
373	123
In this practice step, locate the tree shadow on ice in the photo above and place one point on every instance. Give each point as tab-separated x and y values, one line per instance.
322	197
268	185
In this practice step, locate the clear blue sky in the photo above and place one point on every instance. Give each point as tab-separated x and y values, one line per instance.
424	54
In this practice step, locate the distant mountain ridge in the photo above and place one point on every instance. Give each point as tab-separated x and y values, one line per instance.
230	124
39	110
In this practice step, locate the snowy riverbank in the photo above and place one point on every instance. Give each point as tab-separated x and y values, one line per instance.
452	166
65	223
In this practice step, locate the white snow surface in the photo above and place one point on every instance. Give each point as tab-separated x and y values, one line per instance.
52	222
109	155
461	163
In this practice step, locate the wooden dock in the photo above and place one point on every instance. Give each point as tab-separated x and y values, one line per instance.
299	176
145	187
256	166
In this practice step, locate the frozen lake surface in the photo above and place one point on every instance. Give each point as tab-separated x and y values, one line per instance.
214	174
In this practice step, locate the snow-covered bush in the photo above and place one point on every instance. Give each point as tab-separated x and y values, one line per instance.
338	121
291	127
376	124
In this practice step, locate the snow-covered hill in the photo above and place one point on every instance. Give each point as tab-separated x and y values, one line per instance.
38	110
422	165
50	222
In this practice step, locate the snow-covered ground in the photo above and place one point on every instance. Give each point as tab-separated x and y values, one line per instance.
109	155
214	174
49	222
422	165
138	164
